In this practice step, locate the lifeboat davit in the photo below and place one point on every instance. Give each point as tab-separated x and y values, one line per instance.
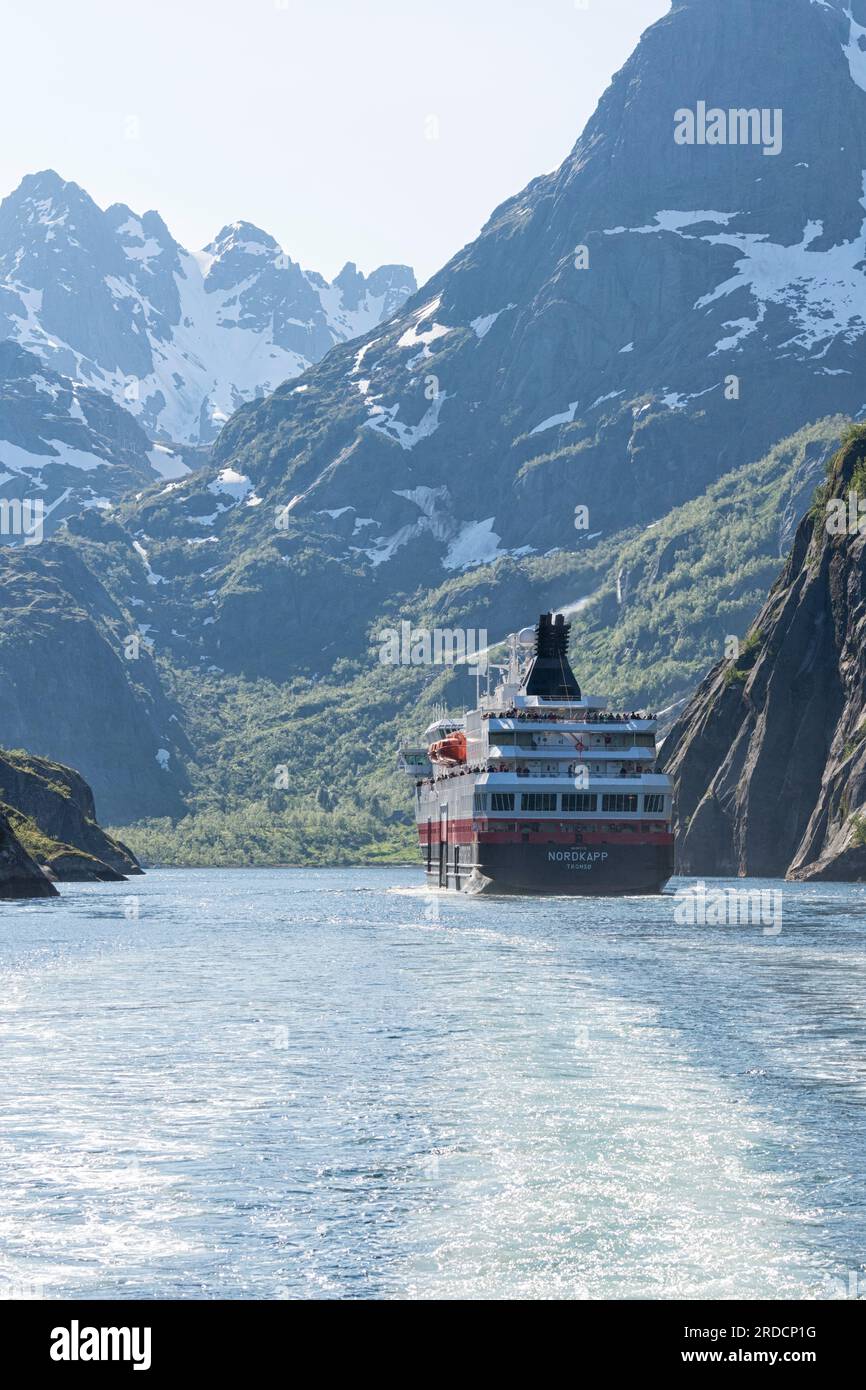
449	750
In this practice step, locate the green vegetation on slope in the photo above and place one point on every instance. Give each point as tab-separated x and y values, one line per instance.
41	847
305	772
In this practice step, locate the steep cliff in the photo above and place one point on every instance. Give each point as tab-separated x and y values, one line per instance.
769	757
20	875
51	811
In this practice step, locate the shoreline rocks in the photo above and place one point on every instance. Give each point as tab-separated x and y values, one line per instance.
20	875
48	810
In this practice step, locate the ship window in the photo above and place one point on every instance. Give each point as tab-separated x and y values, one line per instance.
583	802
539	801
618	801
480	801
502	801
654	803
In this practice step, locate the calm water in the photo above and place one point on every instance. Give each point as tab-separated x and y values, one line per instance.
281	1084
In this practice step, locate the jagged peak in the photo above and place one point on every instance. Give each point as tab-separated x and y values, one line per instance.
47	181
242	236
47	187
392	274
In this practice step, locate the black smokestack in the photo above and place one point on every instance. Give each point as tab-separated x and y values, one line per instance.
550	676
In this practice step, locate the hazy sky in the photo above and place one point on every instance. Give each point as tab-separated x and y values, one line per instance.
311	118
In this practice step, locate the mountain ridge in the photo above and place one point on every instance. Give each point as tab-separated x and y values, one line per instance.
179	339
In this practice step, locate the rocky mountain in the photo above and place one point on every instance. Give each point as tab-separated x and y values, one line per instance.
110	300
65	447
769	757
20	875
669	597
625	331
633	335
77	675
50	809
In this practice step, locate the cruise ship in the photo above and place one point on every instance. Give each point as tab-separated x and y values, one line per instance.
542	789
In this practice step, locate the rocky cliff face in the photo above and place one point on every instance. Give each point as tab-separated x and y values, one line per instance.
769	758
51	810
64	448
78	679
20	875
179	340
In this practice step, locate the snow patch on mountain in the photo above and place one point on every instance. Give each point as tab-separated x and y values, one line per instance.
476	544
167	463
412	338
566	417
482	325
14	457
674	400
383	420
467	543
427	499
229	482
855	51
142	554
670	220
823	291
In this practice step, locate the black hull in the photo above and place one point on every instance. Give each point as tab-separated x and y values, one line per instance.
545	869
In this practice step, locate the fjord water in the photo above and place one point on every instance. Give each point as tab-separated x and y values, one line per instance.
303	1083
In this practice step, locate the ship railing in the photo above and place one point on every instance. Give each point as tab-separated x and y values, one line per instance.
629	751
568	776
510	776
541	716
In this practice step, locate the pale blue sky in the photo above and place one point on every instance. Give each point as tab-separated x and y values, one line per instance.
310	118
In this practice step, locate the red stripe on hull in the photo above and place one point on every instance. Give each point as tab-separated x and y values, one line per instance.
466	832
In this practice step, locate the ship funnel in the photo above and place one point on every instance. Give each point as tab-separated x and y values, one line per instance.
549	675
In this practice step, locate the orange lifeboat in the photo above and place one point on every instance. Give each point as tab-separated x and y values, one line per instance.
449	750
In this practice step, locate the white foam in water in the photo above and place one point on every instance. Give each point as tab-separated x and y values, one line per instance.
336	1083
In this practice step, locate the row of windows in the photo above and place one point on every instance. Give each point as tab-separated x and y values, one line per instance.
620	802
585	741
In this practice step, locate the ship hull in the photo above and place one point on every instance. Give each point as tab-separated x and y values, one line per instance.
610	870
